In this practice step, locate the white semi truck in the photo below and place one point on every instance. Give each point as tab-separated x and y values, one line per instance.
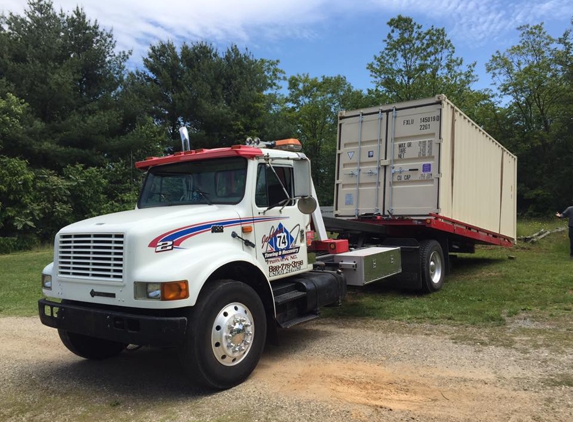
215	257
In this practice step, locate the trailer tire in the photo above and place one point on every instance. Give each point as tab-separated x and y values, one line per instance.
90	347
432	265
226	334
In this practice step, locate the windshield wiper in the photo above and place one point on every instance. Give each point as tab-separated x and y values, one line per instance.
204	195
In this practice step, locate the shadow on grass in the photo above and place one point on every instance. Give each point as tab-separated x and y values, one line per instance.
464	264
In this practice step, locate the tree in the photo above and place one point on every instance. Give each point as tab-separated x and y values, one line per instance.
417	63
313	106
532	77
66	69
221	97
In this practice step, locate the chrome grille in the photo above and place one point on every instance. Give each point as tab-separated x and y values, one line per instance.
91	256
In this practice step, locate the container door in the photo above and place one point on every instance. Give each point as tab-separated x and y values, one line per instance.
360	171
412	186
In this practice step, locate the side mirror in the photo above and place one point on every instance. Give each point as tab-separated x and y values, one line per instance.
302	178
303	186
307	205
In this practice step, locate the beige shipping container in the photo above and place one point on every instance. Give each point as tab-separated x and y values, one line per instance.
423	157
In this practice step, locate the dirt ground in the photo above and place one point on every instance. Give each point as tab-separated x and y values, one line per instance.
328	370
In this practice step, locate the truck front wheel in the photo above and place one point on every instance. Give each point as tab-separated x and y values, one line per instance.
225	335
432	266
90	347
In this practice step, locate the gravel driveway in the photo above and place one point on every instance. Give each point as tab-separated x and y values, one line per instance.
328	370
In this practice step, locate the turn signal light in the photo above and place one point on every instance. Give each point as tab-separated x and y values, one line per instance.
171	290
175	290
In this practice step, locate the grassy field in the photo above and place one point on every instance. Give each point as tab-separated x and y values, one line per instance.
20	282
484	288
487	287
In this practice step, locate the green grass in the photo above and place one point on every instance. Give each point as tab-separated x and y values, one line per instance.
488	287
484	288
20	278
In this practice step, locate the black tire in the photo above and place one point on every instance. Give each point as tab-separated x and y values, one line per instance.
90	347
224	307
432	266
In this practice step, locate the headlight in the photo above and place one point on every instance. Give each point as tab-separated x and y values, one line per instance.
173	290
47	281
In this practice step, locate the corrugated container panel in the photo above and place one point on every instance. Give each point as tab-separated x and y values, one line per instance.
420	157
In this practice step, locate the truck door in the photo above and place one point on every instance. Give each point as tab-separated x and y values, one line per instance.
280	227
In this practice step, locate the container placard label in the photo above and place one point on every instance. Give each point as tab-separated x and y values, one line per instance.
349	199
427	168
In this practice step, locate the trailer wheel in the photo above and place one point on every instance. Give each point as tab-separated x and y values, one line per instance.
225	335
90	347
432	266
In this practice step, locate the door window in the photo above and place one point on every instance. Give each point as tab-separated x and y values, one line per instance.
271	187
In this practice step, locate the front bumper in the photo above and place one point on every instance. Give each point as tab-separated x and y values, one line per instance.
114	324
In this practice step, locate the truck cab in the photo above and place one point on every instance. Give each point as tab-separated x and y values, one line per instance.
212	260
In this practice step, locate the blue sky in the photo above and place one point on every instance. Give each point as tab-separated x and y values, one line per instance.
319	37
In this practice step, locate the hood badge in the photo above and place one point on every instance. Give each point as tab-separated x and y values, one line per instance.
93	293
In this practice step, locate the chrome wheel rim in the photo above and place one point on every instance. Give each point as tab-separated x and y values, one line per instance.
232	334
435	267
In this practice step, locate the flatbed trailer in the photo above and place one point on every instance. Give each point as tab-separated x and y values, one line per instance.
423	265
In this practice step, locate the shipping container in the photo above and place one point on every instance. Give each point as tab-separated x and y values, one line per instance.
421	159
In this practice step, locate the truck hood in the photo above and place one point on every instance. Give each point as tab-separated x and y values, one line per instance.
147	217
152	225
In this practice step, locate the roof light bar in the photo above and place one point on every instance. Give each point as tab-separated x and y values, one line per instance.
290	144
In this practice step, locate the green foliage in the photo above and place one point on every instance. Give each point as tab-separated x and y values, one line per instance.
16	197
417	63
535	76
66	69
11	111
221	97
313	107
35	204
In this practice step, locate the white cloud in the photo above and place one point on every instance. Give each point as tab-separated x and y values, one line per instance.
137	23
474	22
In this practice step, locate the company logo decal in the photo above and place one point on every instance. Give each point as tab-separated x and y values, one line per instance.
280	243
280	250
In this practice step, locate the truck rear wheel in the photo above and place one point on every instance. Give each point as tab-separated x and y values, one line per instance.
90	347
432	266
225	335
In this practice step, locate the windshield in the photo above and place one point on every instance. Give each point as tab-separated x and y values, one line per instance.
218	181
